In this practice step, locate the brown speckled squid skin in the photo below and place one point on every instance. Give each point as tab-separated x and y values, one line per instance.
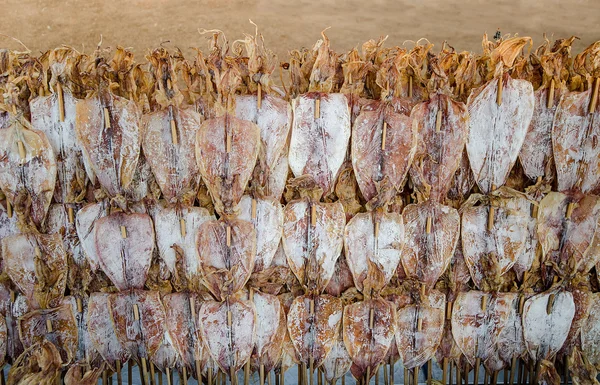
184	329
125	261
425	256
497	132
438	153
416	346
226	269
545	333
590	331
140	338
274	120
574	238
476	331
318	146
27	183
313	336
536	154
32	329
173	165
101	328
337	362
270	331
312	250
373	259
380	170
42	280
575	136
112	152
498	247
366	345
71	174
229	346
226	174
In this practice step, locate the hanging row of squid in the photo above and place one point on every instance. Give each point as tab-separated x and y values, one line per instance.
334	212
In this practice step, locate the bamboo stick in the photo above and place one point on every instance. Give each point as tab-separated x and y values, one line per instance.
500	87
259	97
106	118
317	108
551	94
383	136
594	101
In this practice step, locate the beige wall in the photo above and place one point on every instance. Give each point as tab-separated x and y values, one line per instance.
288	24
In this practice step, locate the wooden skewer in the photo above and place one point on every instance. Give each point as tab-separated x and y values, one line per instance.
136	316
261	374
377	375
438	121
105	377
71	215
253	209
61	102
485	378
209	374
383	136
168	373
9	210
499	95
228	235
106	118
491	214
160	378
495	377
311	364
182	227
22	153
416	375
247	365
406	380
428	225
449	310
368	375
259	96
183	375
129	372
123	232
458	374
429	372
476	370
594	101
48	325
385	375
119	375
79	305
410	92
376	229
484	302
313	215
550	303
391	371
551	94
302	374
317	108
444	371
173	131
349	77
450	372
570	208
228	143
